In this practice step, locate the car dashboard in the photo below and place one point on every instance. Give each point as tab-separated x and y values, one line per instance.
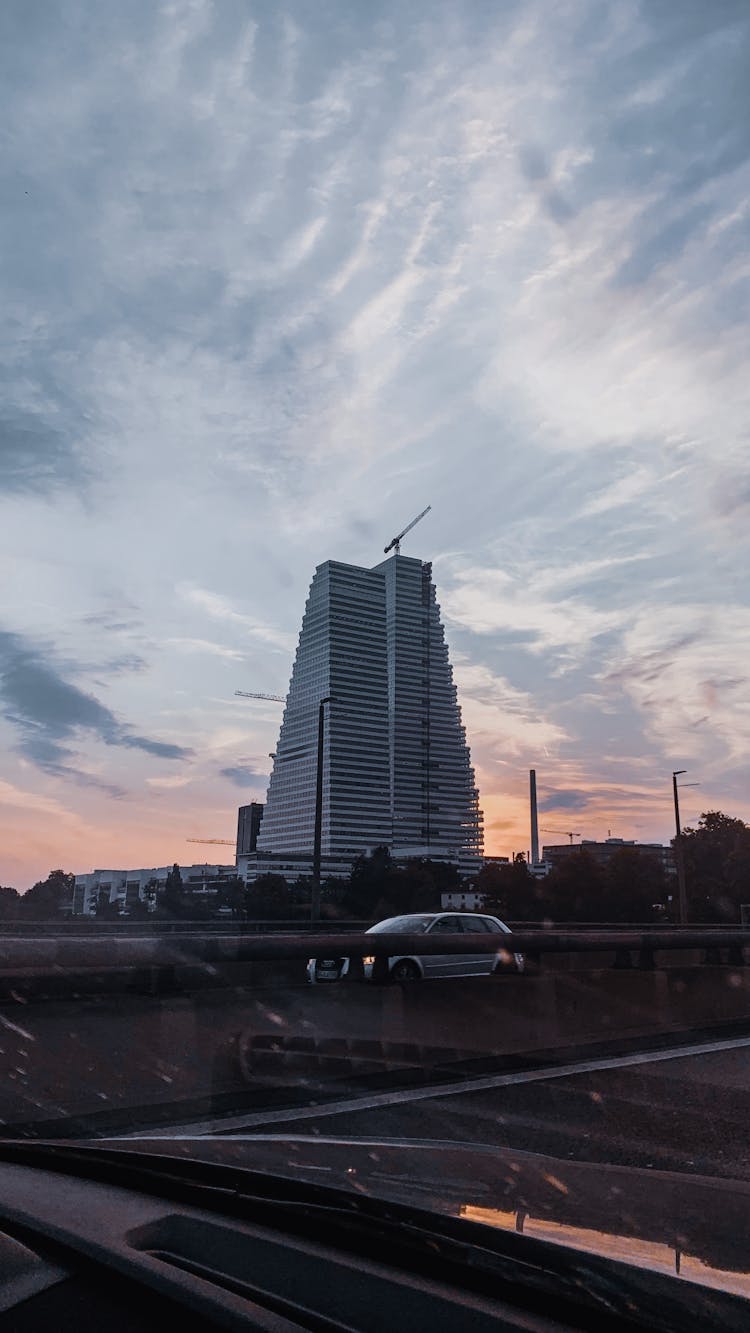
93	1239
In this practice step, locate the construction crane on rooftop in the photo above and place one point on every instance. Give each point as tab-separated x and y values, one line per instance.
396	541
564	831
224	842
247	694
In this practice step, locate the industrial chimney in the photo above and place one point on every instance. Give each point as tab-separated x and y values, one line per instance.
534	820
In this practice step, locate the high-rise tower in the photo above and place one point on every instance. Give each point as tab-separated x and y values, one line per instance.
248	823
396	766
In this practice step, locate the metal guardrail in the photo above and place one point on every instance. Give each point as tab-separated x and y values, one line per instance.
386	945
621	925
84	926
66	952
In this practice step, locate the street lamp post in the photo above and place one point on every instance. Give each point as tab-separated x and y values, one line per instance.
682	891
318	836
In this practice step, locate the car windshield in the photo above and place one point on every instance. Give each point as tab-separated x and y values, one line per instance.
403	925
375	537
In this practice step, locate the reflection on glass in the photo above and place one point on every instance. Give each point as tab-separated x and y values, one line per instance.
656	1256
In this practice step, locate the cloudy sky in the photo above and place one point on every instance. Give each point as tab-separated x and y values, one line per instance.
274	276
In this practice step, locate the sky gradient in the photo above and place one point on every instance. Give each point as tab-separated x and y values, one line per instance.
276	276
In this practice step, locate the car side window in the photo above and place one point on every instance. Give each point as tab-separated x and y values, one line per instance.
446	925
492	926
474	925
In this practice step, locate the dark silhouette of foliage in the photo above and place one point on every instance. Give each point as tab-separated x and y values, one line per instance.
10	903
48	898
717	867
172	899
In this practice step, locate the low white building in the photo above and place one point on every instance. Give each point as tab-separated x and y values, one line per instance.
127	887
462	900
541	869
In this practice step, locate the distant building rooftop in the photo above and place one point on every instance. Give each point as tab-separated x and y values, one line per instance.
604	851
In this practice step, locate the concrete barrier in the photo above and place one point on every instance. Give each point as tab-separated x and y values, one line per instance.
462	1019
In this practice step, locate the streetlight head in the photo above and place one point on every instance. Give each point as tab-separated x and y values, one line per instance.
676	772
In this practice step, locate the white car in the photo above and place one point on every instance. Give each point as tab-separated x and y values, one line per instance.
415	967
321	970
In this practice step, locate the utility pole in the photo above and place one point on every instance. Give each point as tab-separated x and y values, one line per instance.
315	902
681	887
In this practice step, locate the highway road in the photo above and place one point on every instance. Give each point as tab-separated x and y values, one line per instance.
339	1061
681	1108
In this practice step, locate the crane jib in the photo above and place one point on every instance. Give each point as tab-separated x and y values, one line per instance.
396	541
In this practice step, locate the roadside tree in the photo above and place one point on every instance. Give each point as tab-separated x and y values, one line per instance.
717	867
635	888
172	899
574	889
10	903
48	898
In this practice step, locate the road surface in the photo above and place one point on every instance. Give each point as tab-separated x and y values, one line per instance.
302	1061
669	1110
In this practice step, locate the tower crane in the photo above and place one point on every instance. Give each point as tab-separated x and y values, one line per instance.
396	541
225	842
274	698
566	832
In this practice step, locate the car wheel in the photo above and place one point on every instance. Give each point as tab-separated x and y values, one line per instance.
405	970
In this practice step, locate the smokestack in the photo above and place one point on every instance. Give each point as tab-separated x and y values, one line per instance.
534	820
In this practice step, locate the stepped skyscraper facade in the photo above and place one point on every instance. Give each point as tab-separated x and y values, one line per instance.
396	767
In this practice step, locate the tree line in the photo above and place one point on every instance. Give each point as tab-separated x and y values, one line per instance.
631	886
376	887
46	898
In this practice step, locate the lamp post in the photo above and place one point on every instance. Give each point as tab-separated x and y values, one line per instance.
681	888
318	836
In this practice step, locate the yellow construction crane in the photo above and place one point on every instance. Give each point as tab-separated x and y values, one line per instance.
564	831
274	698
396	541
224	842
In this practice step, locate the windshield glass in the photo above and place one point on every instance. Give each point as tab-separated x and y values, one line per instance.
403	925
375	535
